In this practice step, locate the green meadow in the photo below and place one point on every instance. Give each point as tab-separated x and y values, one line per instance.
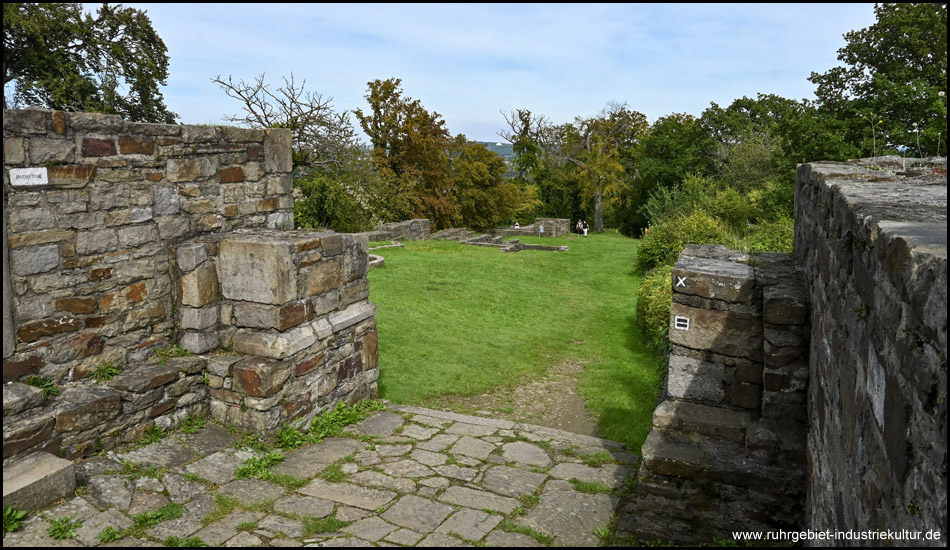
458	319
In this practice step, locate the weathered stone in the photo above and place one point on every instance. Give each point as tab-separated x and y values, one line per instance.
14	151
20	365
481	500
669	458
70	175
75	347
407	468
277	147
97	241
469	524
349	494
30	332
166	200
37	481
199	342
724	332
570	517
370	478
198	318
323	277
24	220
231	174
304	506
199	287
93	147
167	453
351	315
474	430
42	237
35	259
244	263
21	397
145	378
694	379
512	482
135	236
281	345
258	377
695	418
27	121
52	151
525	453
307	462
419	514
130	145
189	169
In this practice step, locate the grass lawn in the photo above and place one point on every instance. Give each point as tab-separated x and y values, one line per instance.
461	319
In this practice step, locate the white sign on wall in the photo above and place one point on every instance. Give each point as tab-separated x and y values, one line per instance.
28	177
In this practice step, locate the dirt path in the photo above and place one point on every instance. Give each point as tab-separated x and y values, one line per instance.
553	401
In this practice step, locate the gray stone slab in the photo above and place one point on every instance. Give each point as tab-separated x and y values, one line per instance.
570	517
428	457
610	475
37	481
149	484
344	542
371	529
381	424
223	530
347	493
283	526
167	453
475	448
392	450
456	472
439	540
419	433
416	513
304	506
201	506
512	482
88	534
403	537
34	534
431	421
480	500
525	453
217	468
370	478
144	503
211	438
109	491
20	397
455	417
469	524
438	443
181	490
77	508
244	540
407	468
474	430
504	539
307	462
252	491
182	527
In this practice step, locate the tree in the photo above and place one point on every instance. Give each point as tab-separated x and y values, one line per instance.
894	82
483	196
58	57
322	138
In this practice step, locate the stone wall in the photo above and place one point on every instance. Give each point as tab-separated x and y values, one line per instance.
122	239
873	243
553	227
409	230
726	449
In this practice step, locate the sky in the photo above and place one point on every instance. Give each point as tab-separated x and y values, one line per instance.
471	62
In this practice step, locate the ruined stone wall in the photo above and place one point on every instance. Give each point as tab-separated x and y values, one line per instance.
92	203
122	239
873	244
553	227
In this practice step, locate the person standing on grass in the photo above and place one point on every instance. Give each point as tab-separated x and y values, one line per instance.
586	227
579	227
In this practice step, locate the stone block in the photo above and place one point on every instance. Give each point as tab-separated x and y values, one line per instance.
695	380
165	200
198	318
41	237
725	332
52	151
783	305
221	365
26	121
173	227
95	147
278	144
38	481
14	151
669	458
702	419
83	408
191	255
280	220
23	220
199	342
747	396
257	377
137	235
281	345
20	365
352	315
21	397
189	169
31	332
232	174
245	261
322	277
34	259
130	145
143	379
96	241
75	347
199	287
70	176
716	279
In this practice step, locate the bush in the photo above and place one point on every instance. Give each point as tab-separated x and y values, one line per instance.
653	305
666	240
325	203
774	236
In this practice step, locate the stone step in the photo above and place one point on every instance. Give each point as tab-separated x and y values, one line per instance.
715	422
37	481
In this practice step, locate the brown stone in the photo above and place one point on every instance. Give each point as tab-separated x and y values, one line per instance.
83	344
230	210
59	122
297	406
25	432
136	292
200	287
267	205
41	237
227	396
323	277
161	408
310	364
16	368
71	175
100	273
30	332
154	176
168	141
371	349
292	315
94	322
350	368
86	304
257	377
86	407
143	379
254	152
309	244
92	147
129	145
233	174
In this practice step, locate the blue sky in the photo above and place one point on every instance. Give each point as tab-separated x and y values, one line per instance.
469	62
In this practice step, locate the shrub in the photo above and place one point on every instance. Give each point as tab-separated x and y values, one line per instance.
773	236
653	304
666	240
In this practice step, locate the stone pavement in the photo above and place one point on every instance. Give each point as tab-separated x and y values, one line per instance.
404	477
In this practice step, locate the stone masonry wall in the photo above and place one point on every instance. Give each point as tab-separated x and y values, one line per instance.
873	244
726	449
122	239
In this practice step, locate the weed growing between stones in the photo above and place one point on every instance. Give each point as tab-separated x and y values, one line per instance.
223	505
152	434
49	388
329	424
192	423
316	526
592	488
258	466
334	473
508	525
143	521
189	542
174	351
63	528
12	519
109	534
104	372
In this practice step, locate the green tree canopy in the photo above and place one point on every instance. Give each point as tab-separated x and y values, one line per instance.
56	56
894	82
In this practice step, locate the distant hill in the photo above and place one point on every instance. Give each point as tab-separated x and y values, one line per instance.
504	150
